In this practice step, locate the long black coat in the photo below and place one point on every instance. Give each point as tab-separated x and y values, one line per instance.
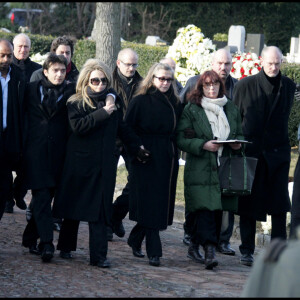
89	172
46	137
153	185
267	128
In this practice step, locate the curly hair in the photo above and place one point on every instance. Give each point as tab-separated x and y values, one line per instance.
62	40
196	95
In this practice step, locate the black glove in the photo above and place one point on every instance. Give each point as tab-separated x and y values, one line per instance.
143	155
189	133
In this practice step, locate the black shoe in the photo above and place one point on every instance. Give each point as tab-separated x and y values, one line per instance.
136	251
109	234
9	207
65	254
154	261
47	253
225	248
210	259
21	203
247	259
56	226
103	263
186	239
118	229
195	254
34	250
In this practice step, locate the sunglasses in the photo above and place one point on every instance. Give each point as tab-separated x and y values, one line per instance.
163	79
209	84
96	81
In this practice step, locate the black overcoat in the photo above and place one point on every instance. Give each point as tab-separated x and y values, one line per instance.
267	128
46	137
89	172
153	184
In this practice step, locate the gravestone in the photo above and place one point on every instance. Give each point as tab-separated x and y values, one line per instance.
294	45
255	43
236	38
153	40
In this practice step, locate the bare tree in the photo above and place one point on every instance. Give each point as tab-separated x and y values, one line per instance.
107	32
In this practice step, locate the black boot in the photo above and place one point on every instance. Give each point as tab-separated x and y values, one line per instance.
194	253
210	256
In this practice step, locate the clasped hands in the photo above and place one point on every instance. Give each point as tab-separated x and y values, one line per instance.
143	155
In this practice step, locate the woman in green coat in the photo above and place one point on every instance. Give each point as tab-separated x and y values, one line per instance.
212	117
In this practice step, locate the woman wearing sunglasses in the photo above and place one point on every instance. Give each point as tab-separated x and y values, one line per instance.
89	173
153	115
212	117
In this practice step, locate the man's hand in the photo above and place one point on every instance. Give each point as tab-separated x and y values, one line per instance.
143	155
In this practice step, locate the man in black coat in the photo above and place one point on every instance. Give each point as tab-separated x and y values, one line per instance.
125	81
22	44
11	120
44	153
221	64
265	101
62	45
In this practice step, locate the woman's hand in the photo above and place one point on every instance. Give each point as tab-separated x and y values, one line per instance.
209	146
235	146
110	107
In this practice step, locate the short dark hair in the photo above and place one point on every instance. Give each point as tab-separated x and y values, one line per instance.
196	95
62	40
52	58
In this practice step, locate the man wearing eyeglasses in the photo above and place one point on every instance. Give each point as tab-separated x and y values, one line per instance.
221	64
125	81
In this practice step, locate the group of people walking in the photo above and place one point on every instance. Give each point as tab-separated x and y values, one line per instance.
64	131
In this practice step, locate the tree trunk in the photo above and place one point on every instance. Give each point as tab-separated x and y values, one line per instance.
107	32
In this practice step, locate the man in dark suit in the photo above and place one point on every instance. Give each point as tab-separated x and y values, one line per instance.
11	120
46	136
22	45
221	64
265	101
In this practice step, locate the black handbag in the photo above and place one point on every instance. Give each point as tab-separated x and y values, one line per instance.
236	174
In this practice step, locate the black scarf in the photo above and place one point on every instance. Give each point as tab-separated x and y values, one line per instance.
20	63
98	97
51	93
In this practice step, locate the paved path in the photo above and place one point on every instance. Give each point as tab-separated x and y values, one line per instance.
25	275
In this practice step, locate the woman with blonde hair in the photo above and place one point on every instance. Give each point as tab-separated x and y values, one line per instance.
87	186
153	115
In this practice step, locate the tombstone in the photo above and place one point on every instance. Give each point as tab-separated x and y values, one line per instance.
236	38
294	45
255	43
153	40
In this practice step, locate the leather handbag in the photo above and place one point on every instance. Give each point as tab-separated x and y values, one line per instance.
236	174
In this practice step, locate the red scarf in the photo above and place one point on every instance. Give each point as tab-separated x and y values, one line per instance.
69	67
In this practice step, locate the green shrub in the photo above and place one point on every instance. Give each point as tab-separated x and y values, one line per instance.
293	71
83	50
221	37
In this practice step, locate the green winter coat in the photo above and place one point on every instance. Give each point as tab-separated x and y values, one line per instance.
201	181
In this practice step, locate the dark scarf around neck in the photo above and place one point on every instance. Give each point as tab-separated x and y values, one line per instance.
98	97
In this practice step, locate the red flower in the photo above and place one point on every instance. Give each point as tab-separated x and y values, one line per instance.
232	70
242	70
250	71
243	76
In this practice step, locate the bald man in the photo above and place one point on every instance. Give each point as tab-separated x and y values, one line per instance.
22	45
265	101
125	81
171	62
11	119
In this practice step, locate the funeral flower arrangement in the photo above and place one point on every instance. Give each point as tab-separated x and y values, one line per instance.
192	52
245	64
38	58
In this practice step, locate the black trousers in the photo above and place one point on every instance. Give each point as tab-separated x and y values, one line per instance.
121	204
207	227
40	225
153	242
248	230
98	243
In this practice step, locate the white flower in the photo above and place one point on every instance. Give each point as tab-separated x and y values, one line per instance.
38	58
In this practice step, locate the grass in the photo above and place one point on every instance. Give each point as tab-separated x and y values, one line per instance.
122	177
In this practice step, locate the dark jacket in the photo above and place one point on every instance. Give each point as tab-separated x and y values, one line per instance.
152	186
27	66
70	77
201	180
89	173
267	128
15	114
46	137
191	83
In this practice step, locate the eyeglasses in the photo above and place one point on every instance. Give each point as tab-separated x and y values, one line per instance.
163	79
129	65
96	81
209	84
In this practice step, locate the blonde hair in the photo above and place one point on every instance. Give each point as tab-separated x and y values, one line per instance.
147	82
82	84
